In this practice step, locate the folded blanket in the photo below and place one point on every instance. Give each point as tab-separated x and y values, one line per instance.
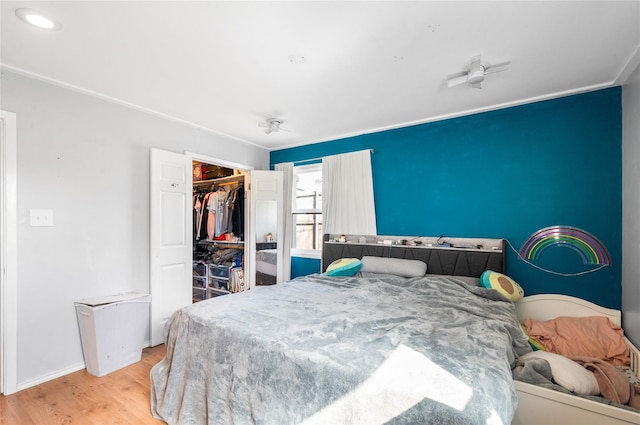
613	384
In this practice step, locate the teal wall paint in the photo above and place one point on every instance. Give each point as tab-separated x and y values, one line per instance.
304	266
506	174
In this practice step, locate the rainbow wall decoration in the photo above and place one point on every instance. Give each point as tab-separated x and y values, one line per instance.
591	250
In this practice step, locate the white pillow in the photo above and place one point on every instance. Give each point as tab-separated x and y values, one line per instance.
567	373
395	266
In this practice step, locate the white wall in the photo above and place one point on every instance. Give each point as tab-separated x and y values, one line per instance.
88	161
631	207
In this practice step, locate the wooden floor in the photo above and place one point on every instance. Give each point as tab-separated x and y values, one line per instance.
121	397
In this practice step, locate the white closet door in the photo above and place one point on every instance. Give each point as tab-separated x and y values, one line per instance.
171	241
264	215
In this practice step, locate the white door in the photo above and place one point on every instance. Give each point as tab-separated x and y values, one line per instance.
264	216
171	241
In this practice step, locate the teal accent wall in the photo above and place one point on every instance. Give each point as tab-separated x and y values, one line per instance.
304	266
506	174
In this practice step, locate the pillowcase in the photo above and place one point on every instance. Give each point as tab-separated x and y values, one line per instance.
395	266
344	267
567	373
503	284
591	336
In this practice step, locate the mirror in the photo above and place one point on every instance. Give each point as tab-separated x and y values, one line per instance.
266	248
265	217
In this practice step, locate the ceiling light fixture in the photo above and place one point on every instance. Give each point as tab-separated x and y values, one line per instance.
38	19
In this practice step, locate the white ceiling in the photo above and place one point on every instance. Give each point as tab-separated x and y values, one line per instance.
226	66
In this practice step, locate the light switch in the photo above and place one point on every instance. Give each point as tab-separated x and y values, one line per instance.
41	217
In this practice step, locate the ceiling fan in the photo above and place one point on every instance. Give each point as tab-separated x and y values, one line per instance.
474	74
272	125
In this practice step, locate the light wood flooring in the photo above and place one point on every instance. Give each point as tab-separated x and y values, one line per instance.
121	397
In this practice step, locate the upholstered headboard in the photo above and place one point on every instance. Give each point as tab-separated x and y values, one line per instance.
446	256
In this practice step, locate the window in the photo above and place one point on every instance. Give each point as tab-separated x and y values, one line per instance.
307	207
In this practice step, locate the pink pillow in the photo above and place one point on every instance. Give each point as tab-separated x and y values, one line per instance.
593	336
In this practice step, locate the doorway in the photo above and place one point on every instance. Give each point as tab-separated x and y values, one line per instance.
219	242
8	254
260	239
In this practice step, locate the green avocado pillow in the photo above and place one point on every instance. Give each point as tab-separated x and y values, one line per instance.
344	267
503	284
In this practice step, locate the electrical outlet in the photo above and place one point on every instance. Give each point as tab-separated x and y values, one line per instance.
41	218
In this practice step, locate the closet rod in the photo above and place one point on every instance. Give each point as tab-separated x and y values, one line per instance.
302	161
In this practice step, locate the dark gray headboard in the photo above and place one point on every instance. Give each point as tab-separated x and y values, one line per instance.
449	256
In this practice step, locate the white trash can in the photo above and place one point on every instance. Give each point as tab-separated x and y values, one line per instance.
112	330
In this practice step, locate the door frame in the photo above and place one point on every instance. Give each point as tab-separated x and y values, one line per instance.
8	254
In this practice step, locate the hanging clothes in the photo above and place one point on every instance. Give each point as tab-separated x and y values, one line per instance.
204	217
217	213
229	210
237	213
197	210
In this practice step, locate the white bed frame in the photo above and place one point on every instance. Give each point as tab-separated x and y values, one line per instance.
537	405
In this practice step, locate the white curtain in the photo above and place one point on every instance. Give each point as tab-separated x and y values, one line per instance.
347	194
287	171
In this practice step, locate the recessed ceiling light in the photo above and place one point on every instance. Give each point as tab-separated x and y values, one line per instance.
38	19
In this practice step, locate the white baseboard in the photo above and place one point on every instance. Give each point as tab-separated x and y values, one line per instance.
48	377
59	373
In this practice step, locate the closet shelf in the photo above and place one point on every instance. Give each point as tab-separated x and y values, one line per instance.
228	179
221	244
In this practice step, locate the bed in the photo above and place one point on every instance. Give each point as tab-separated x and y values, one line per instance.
253	360
266	266
538	405
435	349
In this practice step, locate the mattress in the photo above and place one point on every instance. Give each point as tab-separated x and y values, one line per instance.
320	350
266	261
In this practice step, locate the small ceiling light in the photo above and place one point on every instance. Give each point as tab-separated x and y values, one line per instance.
38	19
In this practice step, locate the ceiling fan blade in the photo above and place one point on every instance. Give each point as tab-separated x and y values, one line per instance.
497	67
456	79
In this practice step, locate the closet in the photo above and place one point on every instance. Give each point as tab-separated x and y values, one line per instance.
218	231
216	266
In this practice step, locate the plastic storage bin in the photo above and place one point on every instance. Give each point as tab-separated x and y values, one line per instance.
219	277
112	330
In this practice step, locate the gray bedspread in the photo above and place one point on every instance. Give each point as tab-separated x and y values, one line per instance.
321	350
